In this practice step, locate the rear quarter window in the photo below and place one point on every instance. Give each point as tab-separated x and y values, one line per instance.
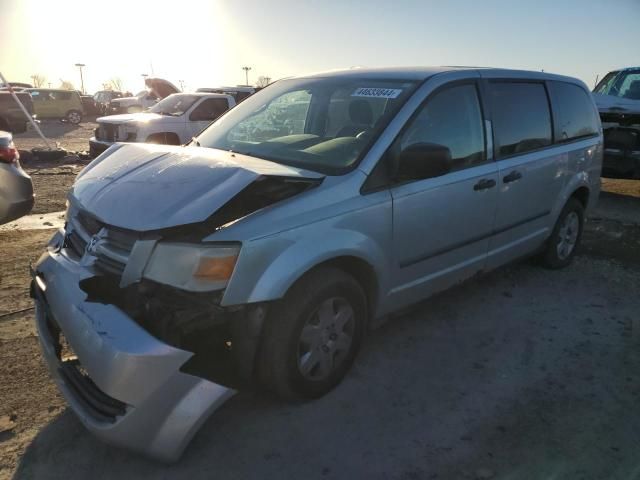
573	112
521	117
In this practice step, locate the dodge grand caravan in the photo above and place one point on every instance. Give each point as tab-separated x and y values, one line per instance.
262	252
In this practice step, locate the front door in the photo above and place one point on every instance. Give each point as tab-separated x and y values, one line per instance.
442	225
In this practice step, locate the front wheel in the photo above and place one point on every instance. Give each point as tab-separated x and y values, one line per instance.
565	238
74	117
313	335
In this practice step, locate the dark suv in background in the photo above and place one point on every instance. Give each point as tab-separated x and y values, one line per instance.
103	98
618	99
12	118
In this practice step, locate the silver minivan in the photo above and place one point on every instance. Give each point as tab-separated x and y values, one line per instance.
261	253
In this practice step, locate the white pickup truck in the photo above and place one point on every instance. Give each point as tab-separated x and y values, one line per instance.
172	121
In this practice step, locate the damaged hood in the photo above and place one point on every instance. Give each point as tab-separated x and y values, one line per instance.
147	187
612	104
161	87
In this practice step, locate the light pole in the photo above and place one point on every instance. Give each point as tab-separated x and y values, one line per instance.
181	85
80	65
246	75
144	79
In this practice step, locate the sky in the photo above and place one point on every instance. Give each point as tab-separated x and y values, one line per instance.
207	42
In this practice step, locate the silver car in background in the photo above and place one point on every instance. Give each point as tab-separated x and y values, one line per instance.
16	189
318	206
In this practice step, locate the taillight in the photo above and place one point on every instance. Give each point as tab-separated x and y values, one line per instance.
9	155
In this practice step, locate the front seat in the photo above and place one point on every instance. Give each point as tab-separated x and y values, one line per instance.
633	92
361	117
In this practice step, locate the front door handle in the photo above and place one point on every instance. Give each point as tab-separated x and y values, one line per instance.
512	177
484	184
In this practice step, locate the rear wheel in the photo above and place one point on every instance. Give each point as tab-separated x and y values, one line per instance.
565	238
313	335
74	117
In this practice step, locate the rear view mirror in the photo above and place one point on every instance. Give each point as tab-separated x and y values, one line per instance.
424	160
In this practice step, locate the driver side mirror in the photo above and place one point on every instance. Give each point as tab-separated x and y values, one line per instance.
423	160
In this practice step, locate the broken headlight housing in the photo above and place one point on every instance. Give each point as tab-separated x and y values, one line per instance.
192	267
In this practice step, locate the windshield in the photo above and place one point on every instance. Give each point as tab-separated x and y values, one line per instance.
322	124
623	84
174	105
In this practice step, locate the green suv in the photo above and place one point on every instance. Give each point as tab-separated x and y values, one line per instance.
53	103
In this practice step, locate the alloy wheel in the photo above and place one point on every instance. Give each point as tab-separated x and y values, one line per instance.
568	235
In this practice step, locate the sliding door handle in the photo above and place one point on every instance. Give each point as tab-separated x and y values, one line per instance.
512	177
484	184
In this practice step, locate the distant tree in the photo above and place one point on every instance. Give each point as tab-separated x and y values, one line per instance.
263	81
66	85
38	80
116	84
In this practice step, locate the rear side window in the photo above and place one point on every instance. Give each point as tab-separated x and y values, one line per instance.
61	95
574	114
521	117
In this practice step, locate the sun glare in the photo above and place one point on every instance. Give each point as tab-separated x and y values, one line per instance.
133	38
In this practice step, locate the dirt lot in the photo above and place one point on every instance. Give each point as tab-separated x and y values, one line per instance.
520	374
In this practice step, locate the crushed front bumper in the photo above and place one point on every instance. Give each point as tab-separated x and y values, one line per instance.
125	385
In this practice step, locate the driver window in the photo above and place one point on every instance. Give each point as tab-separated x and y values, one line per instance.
451	118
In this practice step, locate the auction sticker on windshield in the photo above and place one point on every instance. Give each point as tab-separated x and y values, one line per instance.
377	92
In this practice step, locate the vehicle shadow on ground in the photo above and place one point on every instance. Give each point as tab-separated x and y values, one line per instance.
51	128
511	375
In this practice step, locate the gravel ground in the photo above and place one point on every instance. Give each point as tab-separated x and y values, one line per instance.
524	373
74	138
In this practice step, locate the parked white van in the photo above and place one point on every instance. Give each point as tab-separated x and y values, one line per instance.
172	121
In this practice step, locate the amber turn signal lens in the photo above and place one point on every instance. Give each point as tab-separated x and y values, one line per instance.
216	268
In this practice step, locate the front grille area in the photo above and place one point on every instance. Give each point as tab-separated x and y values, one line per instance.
98	404
107	132
109	247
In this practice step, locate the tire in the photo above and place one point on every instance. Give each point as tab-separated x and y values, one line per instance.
74	117
305	352
564	240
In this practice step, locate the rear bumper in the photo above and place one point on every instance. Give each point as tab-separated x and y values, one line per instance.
133	394
621	162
